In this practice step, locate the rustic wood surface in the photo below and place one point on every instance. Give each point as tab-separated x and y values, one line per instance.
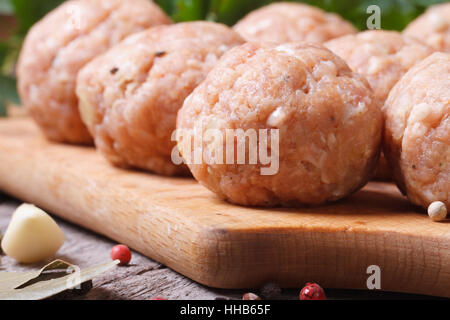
184	226
145	278
142	279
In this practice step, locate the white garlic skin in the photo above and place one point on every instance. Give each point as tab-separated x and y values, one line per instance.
32	235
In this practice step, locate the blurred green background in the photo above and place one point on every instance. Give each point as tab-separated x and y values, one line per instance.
17	16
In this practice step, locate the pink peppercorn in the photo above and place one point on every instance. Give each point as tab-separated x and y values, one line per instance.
312	291
122	253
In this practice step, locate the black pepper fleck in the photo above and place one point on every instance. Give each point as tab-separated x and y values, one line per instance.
160	53
414	166
114	70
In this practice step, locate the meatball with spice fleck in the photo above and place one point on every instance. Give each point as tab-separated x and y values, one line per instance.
433	27
383	57
59	45
417	135
286	22
327	120
130	96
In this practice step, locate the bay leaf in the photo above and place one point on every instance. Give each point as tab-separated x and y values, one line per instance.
56	277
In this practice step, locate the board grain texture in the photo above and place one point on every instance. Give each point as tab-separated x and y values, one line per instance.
182	225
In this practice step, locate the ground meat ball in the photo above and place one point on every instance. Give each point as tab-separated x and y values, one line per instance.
417	135
130	96
60	44
433	27
383	57
286	22
328	119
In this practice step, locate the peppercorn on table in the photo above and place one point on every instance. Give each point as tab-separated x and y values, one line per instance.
178	223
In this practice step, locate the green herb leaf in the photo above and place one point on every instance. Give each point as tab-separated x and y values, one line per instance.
4	50
190	10
56	277
8	90
8	93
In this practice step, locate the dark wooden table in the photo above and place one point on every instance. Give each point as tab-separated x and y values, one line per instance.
143	278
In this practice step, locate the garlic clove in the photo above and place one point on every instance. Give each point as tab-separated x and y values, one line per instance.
32	235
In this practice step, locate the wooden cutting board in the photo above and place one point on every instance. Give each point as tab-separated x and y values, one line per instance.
184	226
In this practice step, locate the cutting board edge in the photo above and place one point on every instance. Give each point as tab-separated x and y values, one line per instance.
209	246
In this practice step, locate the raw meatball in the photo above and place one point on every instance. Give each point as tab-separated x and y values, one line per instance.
327	118
130	96
433	27
383	57
417	135
286	22
58	46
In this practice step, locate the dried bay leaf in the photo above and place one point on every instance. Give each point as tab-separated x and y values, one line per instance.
56	277
53	269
